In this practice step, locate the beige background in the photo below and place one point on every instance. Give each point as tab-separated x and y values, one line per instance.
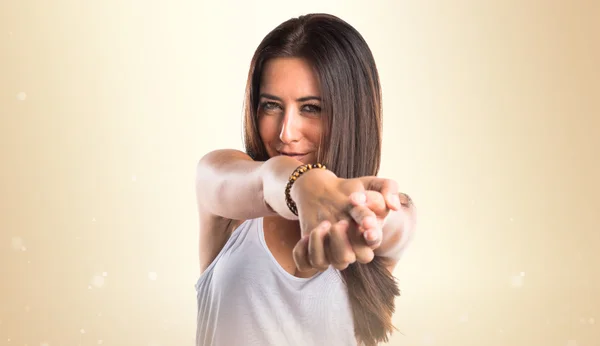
492	124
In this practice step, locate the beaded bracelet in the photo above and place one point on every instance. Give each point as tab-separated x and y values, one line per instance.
293	177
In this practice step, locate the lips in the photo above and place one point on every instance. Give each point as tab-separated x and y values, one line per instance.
297	156
292	154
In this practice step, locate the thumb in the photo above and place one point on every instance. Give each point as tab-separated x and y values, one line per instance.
388	188
372	200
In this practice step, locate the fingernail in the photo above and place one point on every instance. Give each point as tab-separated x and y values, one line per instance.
371	236
359	197
325	224
405	201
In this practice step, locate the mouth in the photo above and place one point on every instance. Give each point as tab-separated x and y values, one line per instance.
297	156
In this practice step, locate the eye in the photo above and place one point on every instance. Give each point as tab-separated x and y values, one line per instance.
269	106
311	109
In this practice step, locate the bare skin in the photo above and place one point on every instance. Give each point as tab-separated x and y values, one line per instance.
340	220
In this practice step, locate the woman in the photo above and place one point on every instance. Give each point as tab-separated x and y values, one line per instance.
291	254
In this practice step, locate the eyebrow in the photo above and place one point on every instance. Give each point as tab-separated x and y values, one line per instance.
302	99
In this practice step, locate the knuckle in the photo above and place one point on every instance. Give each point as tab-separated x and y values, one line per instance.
319	263
354	185
357	183
300	262
341	266
298	256
389	183
298	249
366	257
348	257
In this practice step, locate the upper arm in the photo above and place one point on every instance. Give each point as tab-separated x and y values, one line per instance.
228	191
229	185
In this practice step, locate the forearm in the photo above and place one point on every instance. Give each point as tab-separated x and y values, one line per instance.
275	173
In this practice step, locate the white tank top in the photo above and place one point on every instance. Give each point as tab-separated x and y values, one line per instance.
246	298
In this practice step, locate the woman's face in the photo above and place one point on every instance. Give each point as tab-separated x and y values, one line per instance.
289	109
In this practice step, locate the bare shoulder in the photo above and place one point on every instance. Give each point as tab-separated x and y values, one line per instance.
227	188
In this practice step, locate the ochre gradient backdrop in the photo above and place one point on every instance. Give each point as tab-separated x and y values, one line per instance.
492	125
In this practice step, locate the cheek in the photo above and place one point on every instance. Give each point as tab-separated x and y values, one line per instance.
314	135
267	129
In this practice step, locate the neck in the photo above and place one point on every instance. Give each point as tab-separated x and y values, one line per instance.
283	226
287	232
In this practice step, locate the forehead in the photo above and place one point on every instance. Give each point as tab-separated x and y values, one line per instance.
293	77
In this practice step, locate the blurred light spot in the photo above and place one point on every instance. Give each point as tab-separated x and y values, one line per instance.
98	281
133	178
592	320
464	318
99	342
572	343
82	331
152	276
104	273
517	281
21	96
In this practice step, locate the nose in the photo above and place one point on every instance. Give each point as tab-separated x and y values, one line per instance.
290	127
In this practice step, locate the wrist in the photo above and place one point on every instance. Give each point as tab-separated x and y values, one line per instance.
314	180
275	173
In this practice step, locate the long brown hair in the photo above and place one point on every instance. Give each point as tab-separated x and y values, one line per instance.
351	142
